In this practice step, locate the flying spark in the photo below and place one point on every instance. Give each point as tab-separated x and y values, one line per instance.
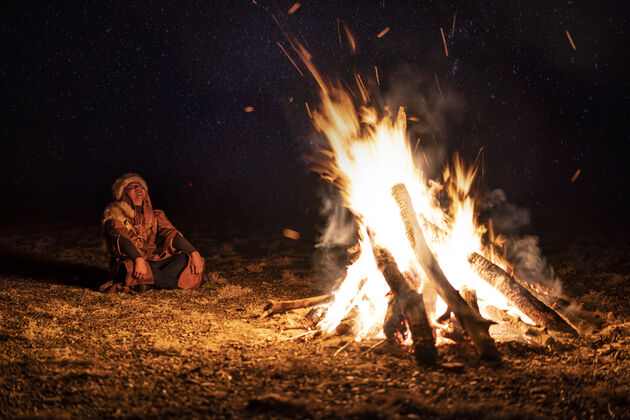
308	109
444	40
376	71
382	33
570	39
453	26
575	175
293	8
290	59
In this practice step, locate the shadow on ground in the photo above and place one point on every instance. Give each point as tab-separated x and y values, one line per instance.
51	270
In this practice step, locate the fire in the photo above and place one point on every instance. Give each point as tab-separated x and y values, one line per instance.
369	151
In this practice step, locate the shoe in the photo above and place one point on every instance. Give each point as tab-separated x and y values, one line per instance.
143	288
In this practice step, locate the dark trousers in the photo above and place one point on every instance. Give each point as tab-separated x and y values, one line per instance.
167	271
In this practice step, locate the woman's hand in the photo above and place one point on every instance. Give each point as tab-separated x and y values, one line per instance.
196	262
140	268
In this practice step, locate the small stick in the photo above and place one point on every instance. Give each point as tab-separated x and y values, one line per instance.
299	335
342	347
373	346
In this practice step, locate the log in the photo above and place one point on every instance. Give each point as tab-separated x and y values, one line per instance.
412	306
530	303
279	306
518	295
534	334
473	323
394	325
470	296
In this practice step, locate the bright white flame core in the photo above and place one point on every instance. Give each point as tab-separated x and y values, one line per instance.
369	156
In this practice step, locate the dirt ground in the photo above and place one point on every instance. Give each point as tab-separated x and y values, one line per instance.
68	351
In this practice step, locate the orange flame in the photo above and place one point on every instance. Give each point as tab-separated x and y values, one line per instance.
368	152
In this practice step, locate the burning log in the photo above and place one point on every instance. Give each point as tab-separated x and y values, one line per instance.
518	295
473	323
535	334
470	296
394	325
279	306
412	306
515	292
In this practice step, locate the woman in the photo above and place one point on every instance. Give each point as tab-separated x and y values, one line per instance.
145	248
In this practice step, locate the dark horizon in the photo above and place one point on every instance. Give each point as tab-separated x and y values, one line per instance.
94	90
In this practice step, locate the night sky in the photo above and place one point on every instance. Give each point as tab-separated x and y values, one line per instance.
91	90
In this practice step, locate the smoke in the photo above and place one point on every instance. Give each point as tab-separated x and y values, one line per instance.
523	251
530	266
340	229
436	106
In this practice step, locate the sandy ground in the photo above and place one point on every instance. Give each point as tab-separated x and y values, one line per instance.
67	351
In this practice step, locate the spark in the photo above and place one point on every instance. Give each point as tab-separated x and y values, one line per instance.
425	158
570	39
291	234
415	149
308	109
362	89
383	32
376	71
249	109
414	119
453	26
575	175
438	85
444	40
290	59
293	8
353	44
339	33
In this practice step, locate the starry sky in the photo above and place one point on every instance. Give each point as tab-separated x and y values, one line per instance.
91	90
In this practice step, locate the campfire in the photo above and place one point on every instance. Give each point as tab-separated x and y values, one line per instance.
424	271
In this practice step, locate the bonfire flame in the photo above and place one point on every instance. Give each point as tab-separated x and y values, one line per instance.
368	153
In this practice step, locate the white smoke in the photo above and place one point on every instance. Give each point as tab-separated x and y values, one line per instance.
523	251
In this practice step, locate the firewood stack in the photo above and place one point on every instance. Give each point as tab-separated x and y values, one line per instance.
407	308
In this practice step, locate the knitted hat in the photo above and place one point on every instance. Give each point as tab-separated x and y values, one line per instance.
121	183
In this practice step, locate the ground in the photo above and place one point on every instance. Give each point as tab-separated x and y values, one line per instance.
68	351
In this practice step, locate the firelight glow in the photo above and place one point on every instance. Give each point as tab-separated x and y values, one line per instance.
370	152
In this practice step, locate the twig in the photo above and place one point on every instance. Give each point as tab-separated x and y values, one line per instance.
342	347
299	335
375	345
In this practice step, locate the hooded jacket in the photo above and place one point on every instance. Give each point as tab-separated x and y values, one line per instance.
149	230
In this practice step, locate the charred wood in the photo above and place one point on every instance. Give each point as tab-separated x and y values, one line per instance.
412	306
475	325
518	295
394	325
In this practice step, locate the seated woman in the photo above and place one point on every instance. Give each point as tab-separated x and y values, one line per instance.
145	248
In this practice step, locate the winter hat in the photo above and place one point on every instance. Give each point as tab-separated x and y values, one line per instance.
121	183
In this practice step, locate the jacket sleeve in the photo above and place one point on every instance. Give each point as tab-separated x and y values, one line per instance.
113	230
165	231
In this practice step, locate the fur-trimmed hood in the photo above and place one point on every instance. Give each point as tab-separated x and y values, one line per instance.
119	210
118	188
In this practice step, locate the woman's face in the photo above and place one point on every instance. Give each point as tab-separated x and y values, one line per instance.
136	193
